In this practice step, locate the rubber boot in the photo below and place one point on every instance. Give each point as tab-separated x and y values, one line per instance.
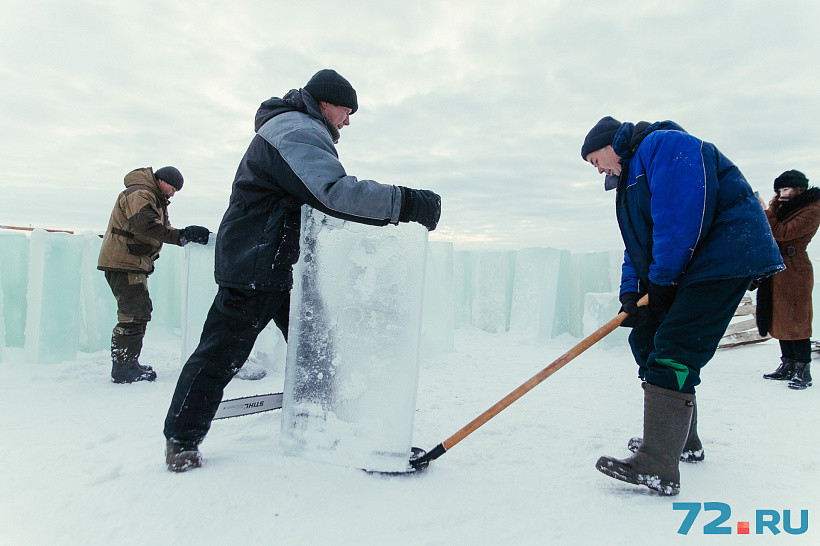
126	346
667	415
181	458
692	449
802	376
784	371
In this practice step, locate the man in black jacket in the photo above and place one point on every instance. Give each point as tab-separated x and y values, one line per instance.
291	161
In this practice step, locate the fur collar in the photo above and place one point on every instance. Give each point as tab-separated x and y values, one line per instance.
787	208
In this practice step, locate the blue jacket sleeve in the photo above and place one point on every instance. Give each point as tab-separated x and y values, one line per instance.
676	174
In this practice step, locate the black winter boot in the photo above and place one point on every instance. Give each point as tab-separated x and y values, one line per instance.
666	418
181	458
126	346
802	376
692	449
784	371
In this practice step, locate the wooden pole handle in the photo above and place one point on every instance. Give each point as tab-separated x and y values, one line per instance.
21	228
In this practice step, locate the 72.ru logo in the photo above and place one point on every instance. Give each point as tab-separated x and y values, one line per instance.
764	519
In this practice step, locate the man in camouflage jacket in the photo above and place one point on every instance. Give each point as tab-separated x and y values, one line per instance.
137	229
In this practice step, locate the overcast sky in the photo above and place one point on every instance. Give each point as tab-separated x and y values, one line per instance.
484	102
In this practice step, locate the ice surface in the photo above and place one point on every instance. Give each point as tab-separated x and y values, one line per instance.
492	284
535	291
53	314
14	252
198	291
352	362
437	313
98	307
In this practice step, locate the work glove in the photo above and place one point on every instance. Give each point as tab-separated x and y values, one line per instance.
660	299
422	206
629	305
194	234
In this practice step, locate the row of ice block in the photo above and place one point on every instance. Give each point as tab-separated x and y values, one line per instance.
55	302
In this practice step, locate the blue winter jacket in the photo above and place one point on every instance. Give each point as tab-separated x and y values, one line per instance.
291	161
686	212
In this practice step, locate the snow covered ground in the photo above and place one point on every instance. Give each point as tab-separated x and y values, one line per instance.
81	459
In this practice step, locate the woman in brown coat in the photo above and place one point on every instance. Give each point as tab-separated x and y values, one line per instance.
794	215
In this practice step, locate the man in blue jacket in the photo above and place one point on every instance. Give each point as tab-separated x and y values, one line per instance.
291	161
695	237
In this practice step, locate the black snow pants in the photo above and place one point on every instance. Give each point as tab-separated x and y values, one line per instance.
234	322
670	354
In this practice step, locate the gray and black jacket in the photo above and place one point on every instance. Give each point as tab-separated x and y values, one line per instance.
291	161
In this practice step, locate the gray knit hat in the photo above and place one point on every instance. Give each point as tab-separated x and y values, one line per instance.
171	176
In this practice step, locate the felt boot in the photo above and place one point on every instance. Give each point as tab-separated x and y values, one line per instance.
692	449
667	415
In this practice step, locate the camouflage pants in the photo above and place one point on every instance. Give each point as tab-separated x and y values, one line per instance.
131	291
133	314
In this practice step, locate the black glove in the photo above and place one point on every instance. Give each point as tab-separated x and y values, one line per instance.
660	299
422	206
194	234
629	304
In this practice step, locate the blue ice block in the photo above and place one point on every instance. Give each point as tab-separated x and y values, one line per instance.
14	251
351	377
437	311
2	325
462	289
535	291
53	314
198	291
492	285
98	305
165	285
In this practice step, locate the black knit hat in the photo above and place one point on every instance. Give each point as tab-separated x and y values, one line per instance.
791	179
171	176
328	86
600	136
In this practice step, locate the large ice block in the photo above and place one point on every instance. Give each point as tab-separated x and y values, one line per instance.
352	362
437	313
53	315
462	289
562	314
2	325
198	291
14	252
535	291
616	262
492	284
589	272
600	308
97	304
165	285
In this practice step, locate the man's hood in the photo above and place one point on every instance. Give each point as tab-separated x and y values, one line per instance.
297	100
142	177
630	135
